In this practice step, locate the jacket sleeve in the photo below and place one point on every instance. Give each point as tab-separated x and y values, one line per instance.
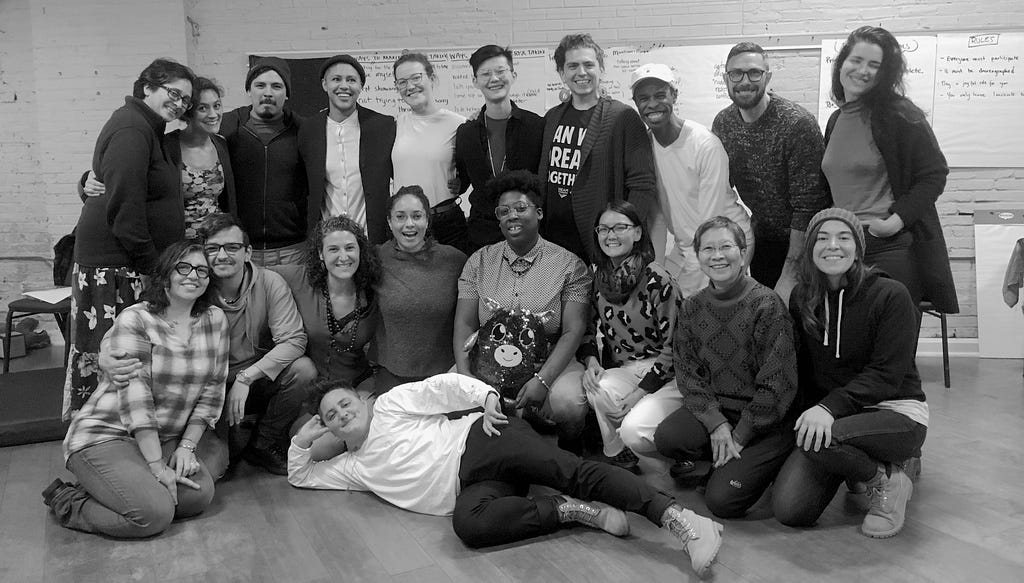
928	168
285	324
775	384
123	171
806	195
638	163
893	354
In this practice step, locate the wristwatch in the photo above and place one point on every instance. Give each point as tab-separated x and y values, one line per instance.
244	378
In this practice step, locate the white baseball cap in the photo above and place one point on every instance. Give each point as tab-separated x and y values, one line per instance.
652	71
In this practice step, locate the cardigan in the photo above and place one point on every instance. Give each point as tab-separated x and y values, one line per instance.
917	174
376	138
143	211
227	202
616	163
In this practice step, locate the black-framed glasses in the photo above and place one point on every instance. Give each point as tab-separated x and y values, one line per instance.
184	268
736	75
413	79
617	228
503	210
230	248
176	95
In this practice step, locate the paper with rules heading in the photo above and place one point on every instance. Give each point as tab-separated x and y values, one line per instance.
919	52
979	99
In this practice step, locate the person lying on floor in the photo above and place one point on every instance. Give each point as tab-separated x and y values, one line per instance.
405	449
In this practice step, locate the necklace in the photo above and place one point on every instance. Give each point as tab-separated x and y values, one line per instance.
348	324
490	157
238	293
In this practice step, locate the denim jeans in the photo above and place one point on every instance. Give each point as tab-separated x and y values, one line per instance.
733	488
809	479
118	496
495	473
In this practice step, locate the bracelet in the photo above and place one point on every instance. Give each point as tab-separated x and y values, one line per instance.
542	381
182	445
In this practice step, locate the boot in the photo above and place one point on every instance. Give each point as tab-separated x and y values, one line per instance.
593	514
701	537
889	495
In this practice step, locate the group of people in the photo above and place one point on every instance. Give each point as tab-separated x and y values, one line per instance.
255	260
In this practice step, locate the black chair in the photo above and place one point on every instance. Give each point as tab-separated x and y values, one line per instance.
929	308
63	253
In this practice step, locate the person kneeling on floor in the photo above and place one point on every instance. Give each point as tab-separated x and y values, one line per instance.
405	449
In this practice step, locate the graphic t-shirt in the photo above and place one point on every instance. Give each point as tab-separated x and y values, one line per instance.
563	167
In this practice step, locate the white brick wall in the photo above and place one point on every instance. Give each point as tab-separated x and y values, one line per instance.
70	63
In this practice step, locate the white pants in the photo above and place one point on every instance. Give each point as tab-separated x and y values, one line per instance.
637	430
614	386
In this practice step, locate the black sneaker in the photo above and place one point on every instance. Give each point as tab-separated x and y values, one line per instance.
272	459
626	460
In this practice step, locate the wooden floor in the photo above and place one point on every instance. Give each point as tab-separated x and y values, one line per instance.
966	523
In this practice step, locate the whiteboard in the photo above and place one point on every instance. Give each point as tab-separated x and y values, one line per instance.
979	99
919	52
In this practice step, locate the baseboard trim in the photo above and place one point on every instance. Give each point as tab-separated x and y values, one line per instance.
957	347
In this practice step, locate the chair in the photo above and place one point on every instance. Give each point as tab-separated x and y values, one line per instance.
929	308
63	258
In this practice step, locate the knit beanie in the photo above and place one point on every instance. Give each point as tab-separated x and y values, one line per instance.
347	59
838	214
277	64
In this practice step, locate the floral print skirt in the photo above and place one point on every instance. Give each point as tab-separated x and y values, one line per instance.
98	295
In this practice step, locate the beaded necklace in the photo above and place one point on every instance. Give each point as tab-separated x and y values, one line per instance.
348	324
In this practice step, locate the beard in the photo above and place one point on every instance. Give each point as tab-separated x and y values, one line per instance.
747	101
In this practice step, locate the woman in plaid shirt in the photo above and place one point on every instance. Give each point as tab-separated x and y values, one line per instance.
125	436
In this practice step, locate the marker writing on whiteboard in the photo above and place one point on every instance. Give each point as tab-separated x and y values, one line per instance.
981	40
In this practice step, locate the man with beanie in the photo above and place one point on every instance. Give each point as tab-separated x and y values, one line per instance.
347	152
270	180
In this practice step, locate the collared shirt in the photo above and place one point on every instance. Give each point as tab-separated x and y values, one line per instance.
543	279
412	452
343	181
181	383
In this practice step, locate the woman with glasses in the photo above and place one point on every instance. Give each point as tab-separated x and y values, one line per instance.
882	163
635	300
120	236
207	183
417	293
735	365
531	273
425	147
133	446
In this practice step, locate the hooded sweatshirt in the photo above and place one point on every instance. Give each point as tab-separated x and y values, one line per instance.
866	355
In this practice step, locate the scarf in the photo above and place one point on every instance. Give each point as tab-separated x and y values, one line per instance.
616	283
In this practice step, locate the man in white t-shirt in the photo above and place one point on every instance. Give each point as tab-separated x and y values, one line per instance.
692	171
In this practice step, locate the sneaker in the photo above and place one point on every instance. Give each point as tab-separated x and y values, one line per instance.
889	496
593	514
682	469
701	537
51	491
626	460
272	459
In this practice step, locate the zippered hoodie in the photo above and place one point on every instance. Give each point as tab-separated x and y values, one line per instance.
270	180
867	353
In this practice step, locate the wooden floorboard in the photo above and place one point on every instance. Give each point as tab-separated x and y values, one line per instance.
965	523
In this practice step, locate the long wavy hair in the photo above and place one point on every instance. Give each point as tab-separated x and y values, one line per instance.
155	295
890	87
368	272
643	247
811	291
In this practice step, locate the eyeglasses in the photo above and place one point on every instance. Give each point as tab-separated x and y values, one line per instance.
724	249
617	228
411	79
736	75
503	210
230	248
176	95
491	73
184	268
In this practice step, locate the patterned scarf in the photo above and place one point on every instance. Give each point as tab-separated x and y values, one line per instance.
616	283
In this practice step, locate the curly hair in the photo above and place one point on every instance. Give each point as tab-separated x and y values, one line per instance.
198	86
890	85
522	181
155	295
368	272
